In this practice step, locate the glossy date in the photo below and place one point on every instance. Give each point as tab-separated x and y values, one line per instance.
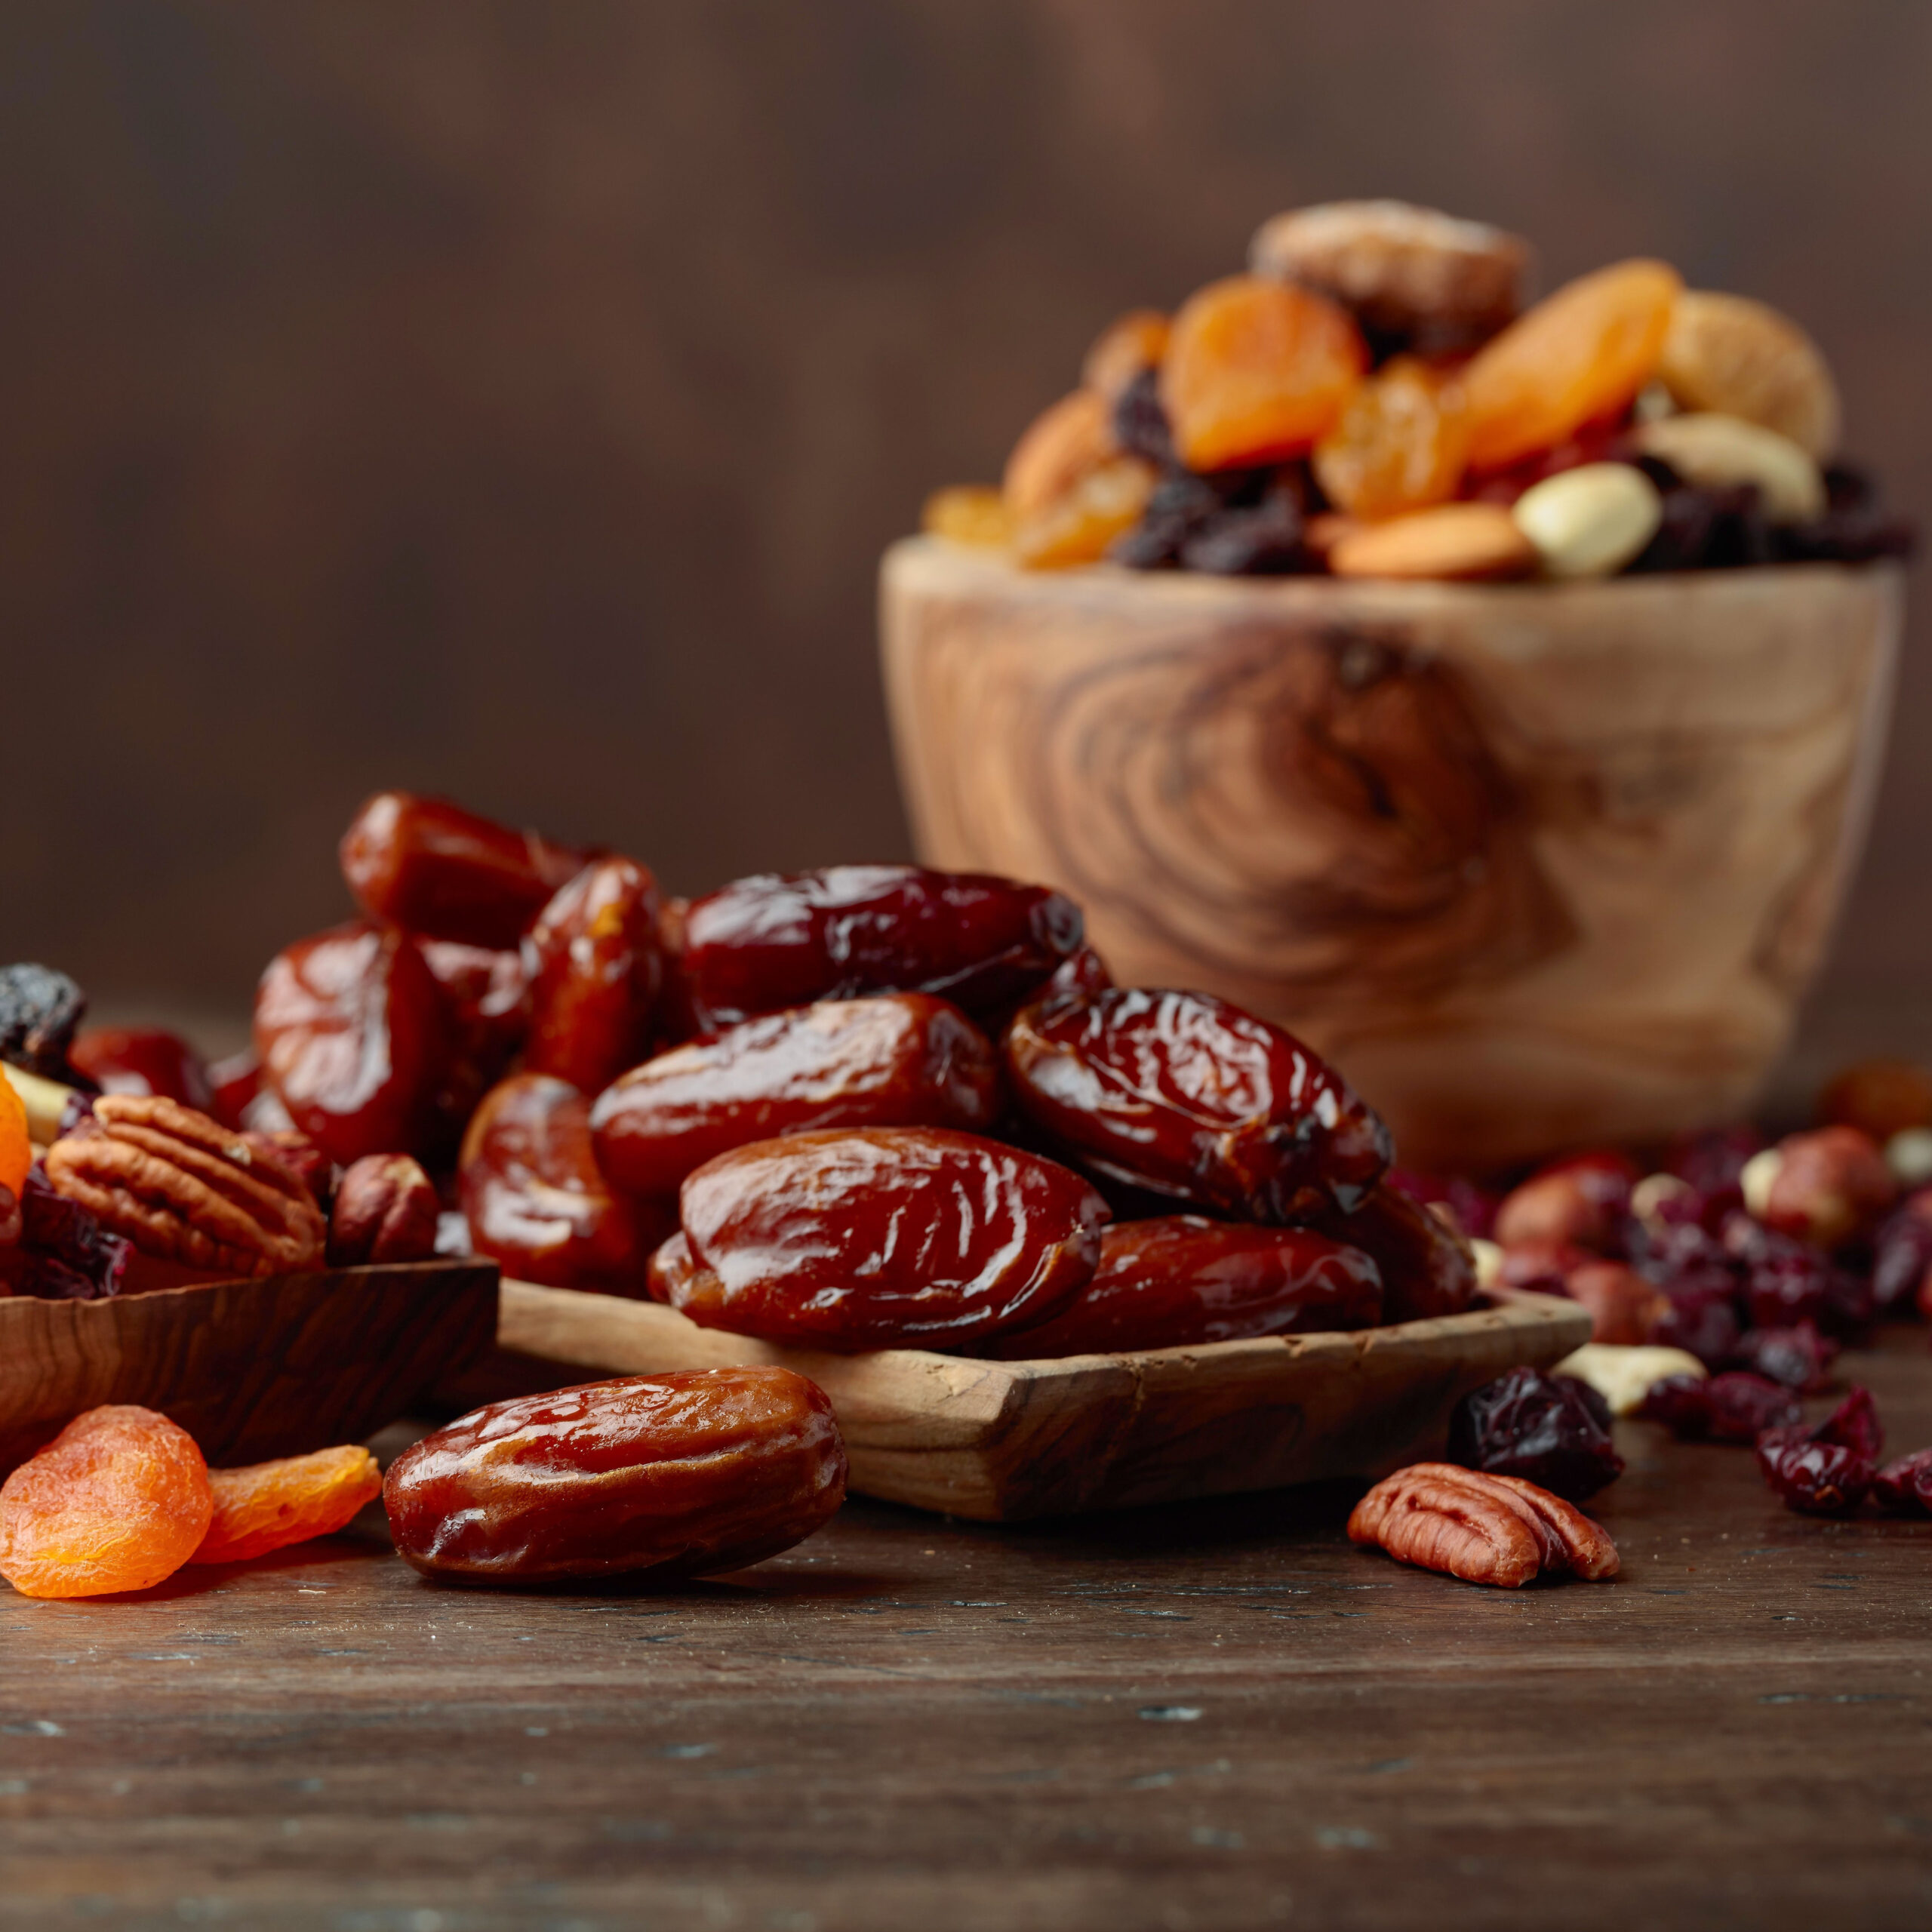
895	1059
354	1037
442	872
1428	1267
764	943
1182	1280
534	1198
595	964
1191	1096
690	1474
874	1237
143	1059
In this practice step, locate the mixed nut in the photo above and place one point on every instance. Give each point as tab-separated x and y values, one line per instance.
1372	399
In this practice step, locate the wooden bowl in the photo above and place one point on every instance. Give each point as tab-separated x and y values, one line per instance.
251	1369
1535	864
1000	1440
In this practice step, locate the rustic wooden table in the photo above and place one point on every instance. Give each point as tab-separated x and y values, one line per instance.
1217	1715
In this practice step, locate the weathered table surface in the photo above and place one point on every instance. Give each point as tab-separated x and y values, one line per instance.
1215	1715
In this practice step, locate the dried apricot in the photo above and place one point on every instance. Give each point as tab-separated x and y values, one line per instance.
16	1145
1453	542
1402	443
1578	356
1104	503
969	513
1136	342
119	1500
1058	446
1257	372
268	1505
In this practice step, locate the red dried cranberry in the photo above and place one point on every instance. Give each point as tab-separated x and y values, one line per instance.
69	1256
1682	1403
1743	1406
1905	1486
1682	1254
1787	1282
1550	1429
1473	1207
1901	1261
1712	1163
1701	1321
1854	1424
1815	1478
1797	1357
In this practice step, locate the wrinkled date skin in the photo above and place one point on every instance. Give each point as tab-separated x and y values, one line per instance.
143	1059
762	944
535	1202
1189	1095
595	965
354	1038
1428	1267
690	1474
1182	1280
869	1238
442	872
896	1059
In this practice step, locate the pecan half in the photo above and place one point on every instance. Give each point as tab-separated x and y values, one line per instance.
1484	1529
182	1188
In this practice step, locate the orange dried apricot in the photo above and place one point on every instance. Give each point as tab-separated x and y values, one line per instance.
1401	445
1137	341
1456	543
119	1500
16	1144
1058	446
968	513
268	1505
1257	372
1104	503
1578	356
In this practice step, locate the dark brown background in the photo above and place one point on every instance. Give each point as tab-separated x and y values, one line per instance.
513	400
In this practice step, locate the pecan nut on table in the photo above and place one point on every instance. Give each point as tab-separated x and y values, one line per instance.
1371	400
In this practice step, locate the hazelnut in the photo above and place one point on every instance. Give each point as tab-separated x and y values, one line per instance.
1578	1204
1879	1097
1824	1187
386	1211
1624	1307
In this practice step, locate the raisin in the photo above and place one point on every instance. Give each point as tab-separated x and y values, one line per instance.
1140	425
894	1060
1553	1430
1266	540
119	1500
39	1010
693	1473
1257	372
1181	1281
1579	356
268	1505
1401	443
1190	1097
876	1237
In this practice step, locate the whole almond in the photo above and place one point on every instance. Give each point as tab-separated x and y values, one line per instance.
1459	542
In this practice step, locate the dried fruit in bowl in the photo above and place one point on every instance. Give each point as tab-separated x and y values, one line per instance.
355	1038
1401	445
593	964
1181	1280
1452	542
1124	350
119	1500
143	1059
1257	372
1063	444
761	944
891	1060
1741	357
877	1237
536	1203
1427	1265
16	1145
1188	1096
269	1506
690	1474
442	872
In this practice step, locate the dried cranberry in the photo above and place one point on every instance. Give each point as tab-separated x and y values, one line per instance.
1796	1358
69	1256
1901	1261
1743	1406
1815	1478
1905	1486
1683	1257
1854	1424
1682	1403
1550	1429
1787	1282
1701	1321
1713	1162
1473	1208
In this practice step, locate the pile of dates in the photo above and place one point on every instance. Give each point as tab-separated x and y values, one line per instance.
869	1105
1372	399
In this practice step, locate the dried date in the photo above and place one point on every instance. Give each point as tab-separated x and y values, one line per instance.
1427	1265
1181	1281
872	1237
894	1060
690	1474
1190	1097
595	965
143	1059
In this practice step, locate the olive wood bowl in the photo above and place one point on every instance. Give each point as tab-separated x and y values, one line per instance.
1535	864
1002	1441
250	1369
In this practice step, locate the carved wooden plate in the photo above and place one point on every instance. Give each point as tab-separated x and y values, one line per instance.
251	1369
999	1440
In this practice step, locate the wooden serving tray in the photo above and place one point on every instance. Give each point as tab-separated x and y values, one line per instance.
251	1369
1000	1440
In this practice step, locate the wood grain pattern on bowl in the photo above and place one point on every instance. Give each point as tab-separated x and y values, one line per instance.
251	1369
1535	864
1002	1441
